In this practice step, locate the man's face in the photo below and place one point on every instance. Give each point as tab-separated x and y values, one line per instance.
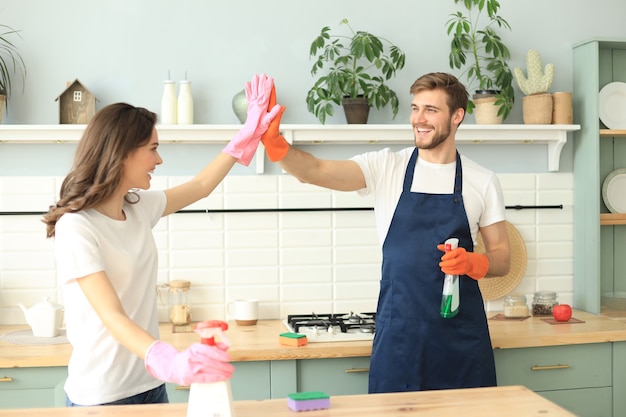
431	119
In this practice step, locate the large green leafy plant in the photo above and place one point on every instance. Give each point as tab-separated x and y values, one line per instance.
11	62
481	51
358	64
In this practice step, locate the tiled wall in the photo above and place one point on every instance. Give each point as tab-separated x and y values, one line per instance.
293	262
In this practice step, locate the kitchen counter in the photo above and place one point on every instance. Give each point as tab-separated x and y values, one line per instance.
260	342
474	402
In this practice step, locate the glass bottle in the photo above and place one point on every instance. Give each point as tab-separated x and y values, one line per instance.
180	313
543	301
185	103
169	106
515	306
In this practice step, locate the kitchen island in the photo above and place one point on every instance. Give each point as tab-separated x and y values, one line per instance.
474	402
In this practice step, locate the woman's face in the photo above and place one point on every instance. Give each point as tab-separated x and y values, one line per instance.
140	164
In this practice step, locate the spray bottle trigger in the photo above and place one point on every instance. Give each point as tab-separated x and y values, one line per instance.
209	329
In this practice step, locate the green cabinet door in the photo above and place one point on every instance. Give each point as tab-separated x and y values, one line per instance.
251	381
32	387
336	376
577	377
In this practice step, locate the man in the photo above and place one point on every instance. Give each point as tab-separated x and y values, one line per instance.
423	195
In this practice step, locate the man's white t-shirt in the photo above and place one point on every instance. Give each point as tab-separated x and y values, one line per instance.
101	370
384	177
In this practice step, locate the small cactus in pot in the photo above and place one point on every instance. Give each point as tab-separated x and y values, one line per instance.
537	104
538	81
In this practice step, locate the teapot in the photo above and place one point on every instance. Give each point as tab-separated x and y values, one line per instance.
45	318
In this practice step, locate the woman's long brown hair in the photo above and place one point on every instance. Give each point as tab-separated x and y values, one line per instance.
111	135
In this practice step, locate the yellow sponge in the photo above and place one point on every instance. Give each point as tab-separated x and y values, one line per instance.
293	339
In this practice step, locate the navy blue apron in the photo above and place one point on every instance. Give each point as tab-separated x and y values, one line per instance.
415	348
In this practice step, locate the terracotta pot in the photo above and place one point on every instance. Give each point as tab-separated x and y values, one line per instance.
537	109
562	112
485	110
356	109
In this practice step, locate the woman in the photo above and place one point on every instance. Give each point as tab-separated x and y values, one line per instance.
107	258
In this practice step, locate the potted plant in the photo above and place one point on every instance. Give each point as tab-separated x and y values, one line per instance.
11	63
537	103
358	64
484	56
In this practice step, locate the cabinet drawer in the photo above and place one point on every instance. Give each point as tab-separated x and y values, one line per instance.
587	402
555	367
337	376
32	387
31	378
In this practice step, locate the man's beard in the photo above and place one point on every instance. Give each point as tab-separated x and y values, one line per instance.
438	139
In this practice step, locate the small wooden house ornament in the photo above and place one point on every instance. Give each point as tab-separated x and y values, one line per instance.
77	104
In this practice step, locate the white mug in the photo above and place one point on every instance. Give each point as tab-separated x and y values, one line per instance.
245	312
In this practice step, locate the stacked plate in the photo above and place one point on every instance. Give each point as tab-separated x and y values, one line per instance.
614	191
613	105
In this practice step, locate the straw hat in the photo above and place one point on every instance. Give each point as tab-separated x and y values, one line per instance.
495	287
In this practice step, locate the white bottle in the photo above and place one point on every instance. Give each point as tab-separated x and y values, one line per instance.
185	103
213	399
169	106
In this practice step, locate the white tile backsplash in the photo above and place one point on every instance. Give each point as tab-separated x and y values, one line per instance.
293	262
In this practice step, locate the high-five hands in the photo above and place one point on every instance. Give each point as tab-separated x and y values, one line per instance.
276	146
260	114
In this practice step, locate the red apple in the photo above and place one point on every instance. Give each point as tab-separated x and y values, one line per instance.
562	312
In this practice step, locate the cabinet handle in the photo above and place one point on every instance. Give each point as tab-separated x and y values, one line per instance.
6	379
548	367
182	388
356	370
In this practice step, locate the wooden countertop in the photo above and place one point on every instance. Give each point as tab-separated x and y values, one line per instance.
473	402
260	342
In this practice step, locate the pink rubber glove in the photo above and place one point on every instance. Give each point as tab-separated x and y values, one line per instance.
199	363
243	146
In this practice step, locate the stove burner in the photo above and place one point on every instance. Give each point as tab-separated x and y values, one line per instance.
333	323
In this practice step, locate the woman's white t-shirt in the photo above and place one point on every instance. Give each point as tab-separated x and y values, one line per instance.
100	369
384	177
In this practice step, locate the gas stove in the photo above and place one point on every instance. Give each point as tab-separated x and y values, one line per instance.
333	327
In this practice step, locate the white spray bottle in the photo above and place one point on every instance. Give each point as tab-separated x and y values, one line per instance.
450	294
212	399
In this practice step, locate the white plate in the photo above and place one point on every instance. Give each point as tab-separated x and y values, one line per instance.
613	105
614	191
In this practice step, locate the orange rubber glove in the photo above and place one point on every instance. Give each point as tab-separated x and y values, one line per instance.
461	262
276	146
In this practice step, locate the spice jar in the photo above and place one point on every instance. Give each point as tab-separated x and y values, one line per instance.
515	306
180	313
543	301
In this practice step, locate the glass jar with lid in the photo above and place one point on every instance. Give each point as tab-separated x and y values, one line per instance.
515	306
180	313
543	301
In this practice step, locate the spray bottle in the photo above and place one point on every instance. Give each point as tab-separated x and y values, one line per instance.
450	295
215	398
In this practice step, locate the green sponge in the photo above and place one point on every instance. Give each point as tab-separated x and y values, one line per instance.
309	400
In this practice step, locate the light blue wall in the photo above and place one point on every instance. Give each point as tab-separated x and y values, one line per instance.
122	50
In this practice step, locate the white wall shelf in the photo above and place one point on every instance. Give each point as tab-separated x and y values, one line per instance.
555	136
